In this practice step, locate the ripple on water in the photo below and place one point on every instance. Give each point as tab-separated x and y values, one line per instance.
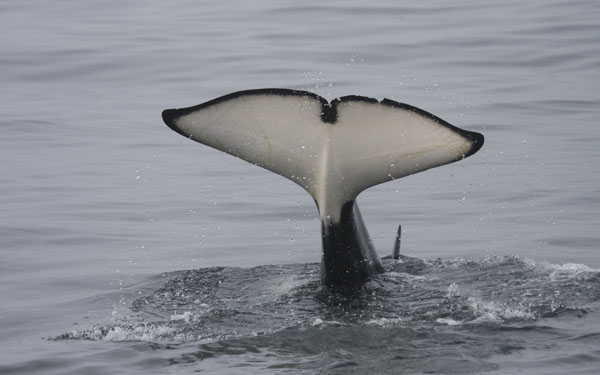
458	313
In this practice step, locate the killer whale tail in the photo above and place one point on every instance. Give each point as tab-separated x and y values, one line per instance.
334	150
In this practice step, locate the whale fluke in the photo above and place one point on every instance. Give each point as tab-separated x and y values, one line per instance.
334	150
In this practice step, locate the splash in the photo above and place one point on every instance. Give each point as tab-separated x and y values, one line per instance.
215	304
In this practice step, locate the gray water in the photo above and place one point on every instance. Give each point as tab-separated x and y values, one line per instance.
129	249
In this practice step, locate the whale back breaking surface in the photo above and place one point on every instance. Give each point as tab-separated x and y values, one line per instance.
334	150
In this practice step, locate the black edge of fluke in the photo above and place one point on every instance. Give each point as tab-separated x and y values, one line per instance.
328	110
477	141
328	113
169	116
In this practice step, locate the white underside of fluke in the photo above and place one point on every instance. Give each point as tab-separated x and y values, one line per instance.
369	142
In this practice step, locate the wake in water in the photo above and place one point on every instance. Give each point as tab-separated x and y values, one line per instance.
458	314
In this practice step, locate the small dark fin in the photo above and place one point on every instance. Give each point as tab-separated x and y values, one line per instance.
396	251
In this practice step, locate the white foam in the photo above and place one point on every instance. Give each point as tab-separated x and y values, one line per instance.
560	271
448	321
185	316
453	291
386	322
136	333
320	322
404	275
493	312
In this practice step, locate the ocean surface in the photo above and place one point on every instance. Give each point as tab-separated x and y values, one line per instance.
127	249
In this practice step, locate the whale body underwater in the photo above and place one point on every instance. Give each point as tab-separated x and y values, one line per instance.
333	150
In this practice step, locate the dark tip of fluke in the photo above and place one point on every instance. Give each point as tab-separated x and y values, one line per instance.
168	116
477	140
